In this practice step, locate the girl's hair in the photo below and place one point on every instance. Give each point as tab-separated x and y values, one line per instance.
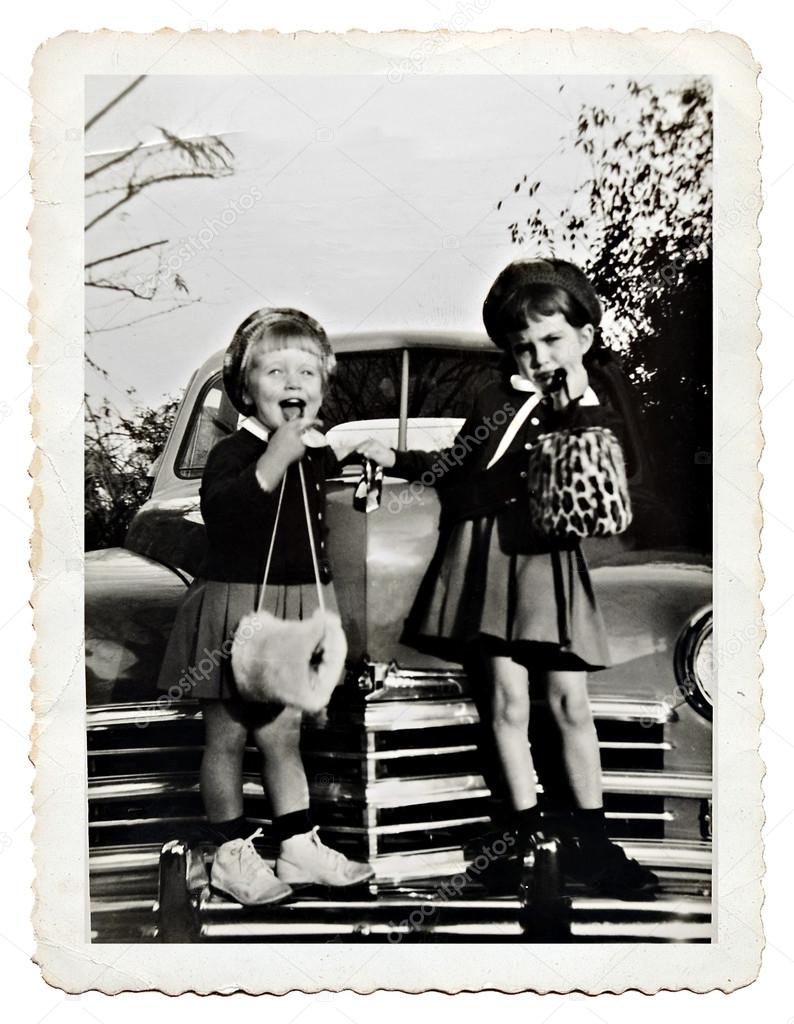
534	301
273	329
528	289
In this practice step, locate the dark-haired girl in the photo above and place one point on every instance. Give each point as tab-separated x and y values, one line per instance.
526	603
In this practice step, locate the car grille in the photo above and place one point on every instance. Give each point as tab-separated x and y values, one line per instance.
396	776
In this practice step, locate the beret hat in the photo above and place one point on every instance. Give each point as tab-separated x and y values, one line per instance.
524	273
255	327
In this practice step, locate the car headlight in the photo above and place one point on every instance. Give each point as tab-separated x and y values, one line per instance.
694	662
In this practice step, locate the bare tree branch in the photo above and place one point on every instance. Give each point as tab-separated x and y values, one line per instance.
119	288
139	186
131	192
209	152
115	160
127	252
140	319
134	188
109	106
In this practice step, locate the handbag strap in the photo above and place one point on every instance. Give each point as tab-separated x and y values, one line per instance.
315	564
261	600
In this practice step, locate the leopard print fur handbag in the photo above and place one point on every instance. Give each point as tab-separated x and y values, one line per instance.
577	485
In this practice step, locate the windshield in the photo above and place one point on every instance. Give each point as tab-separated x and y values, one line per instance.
366	385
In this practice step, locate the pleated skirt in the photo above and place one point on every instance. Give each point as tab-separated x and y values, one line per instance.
541	607
197	661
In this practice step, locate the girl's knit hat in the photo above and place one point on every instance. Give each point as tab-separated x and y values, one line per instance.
520	274
255	327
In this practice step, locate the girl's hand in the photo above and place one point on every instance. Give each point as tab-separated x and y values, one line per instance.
285	446
377	451
286	442
565	386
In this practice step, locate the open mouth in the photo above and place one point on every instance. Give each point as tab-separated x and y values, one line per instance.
292	408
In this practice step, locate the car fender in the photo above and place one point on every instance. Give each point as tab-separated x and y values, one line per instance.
130	604
646	607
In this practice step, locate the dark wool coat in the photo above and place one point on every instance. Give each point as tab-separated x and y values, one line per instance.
239	516
468	489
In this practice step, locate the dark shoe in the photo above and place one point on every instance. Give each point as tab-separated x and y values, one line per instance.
608	871
500	859
493	860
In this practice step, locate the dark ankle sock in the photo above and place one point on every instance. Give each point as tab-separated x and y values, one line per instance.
590	826
526	822
234	828
293	824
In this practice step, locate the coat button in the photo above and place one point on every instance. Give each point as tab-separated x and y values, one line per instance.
319	515
535	421
527	446
523	474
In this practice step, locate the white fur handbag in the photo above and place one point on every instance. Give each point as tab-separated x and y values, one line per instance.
298	663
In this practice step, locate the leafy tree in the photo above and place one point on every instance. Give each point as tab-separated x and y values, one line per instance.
639	224
119	454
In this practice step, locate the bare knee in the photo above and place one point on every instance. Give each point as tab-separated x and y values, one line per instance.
280	736
223	735
511	709
570	706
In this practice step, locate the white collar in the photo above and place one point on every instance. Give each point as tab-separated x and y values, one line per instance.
252	424
311	438
520	383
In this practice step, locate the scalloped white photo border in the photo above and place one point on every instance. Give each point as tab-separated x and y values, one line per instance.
68	959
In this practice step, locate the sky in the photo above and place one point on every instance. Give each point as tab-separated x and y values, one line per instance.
368	203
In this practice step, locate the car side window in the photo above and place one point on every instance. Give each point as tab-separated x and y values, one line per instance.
214	417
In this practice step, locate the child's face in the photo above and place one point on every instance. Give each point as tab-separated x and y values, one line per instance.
548	344
280	378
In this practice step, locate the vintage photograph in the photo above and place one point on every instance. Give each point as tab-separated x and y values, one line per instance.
398	507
